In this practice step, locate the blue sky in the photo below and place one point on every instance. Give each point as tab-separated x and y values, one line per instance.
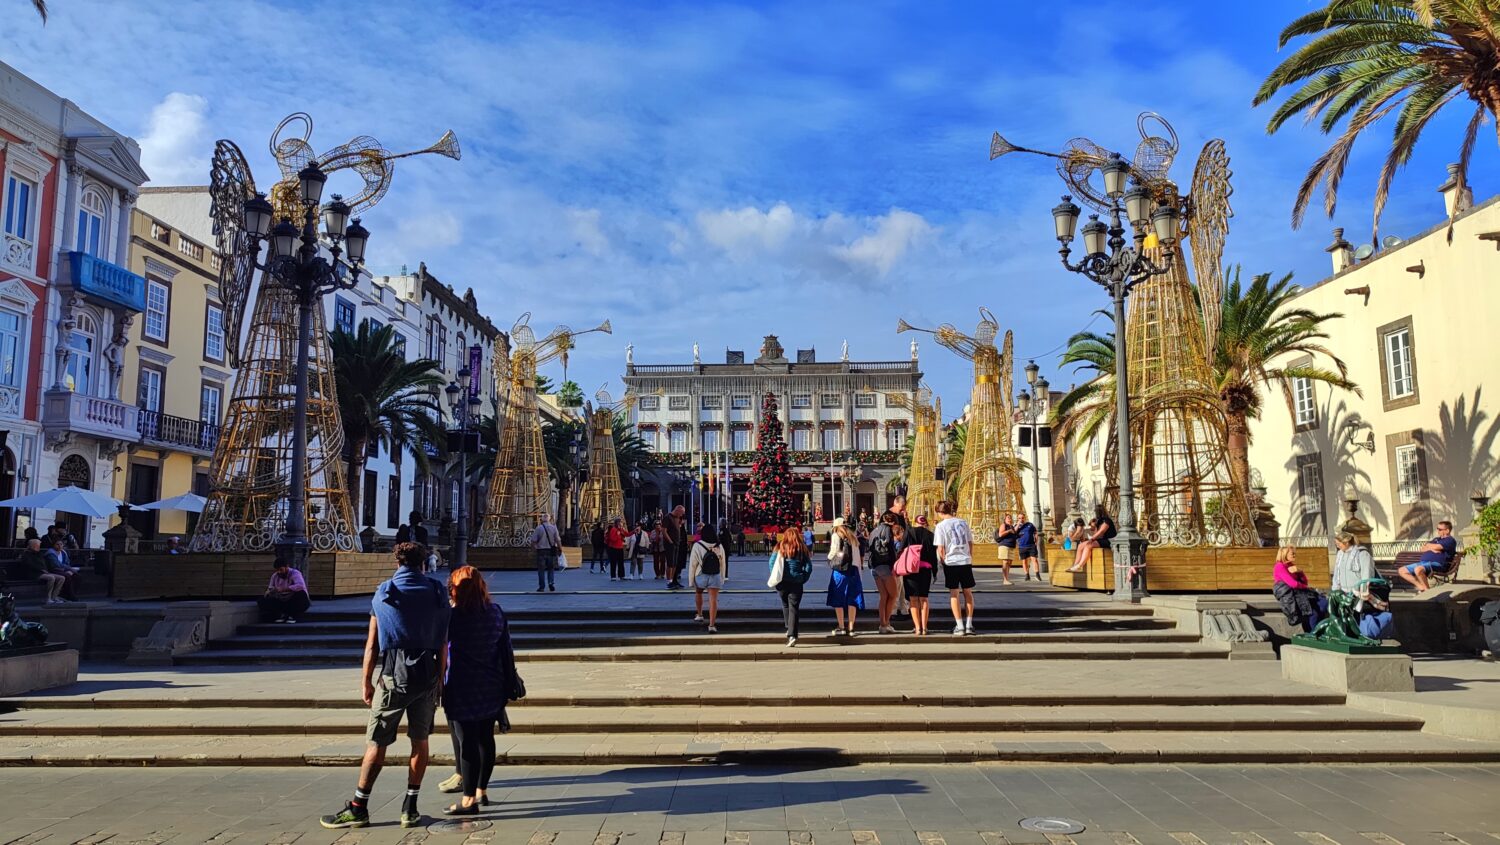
712	172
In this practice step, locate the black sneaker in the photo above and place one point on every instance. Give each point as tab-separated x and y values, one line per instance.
552	588
350	816
410	815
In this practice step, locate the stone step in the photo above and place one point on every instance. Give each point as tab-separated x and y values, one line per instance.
870	647
745	747
903	719
683	621
673	605
297	638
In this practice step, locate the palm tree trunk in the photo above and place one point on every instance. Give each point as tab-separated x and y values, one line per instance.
1238	444
356	481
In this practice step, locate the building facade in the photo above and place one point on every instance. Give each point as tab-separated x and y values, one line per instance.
1422	437
448	328
178	376
68	186
840	420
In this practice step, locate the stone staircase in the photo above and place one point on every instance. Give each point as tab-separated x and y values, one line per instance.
1044	681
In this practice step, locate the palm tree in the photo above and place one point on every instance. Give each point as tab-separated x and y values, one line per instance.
630	450
1086	408
902	477
953	461
41	9
1369	58
543	384
570	395
1258	328
556	440
383	399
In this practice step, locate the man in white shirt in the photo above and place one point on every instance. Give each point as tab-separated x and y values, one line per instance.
955	543
547	543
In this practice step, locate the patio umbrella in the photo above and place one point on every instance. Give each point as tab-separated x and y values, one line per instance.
68	499
191	502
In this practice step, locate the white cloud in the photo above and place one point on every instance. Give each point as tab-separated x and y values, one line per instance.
746	233
172	150
833	244
894	234
591	239
419	234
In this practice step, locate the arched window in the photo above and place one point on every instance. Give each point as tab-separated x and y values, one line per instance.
83	342
74	470
92	214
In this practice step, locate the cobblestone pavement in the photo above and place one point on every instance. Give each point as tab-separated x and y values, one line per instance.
857	805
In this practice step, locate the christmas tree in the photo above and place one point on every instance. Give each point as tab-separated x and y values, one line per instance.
768	497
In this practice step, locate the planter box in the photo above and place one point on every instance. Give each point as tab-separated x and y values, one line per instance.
25	670
1205	570
243	576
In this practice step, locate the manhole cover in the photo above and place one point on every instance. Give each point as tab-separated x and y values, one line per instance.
1050	824
460	826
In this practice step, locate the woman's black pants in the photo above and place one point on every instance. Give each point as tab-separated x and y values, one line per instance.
474	742
791	602
617	563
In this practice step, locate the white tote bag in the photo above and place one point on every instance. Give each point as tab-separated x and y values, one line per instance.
562	560
778	571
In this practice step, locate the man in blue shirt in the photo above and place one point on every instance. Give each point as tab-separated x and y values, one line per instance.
1026	547
1437	557
404	664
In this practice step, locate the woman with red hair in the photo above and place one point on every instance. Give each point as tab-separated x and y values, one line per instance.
481	678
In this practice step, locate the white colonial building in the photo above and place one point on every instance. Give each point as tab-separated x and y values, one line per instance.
842	424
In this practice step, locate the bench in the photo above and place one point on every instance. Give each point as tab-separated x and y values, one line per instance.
1403	559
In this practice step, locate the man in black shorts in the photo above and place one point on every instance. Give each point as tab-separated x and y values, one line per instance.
955	542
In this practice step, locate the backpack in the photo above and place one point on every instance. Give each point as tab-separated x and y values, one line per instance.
844	560
910	561
798	569
709	564
881	553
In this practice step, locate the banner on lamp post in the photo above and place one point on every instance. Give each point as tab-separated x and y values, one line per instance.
476	359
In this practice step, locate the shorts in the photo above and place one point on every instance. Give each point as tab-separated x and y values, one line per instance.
959	577
708	582
883	571
388	705
1430	566
1007	552
1027	552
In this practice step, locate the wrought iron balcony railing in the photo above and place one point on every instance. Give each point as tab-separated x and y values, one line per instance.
167	430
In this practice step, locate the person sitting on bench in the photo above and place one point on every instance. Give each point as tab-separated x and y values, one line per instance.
33	564
286	597
1437	558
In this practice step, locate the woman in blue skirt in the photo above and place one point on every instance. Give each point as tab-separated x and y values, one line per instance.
845	592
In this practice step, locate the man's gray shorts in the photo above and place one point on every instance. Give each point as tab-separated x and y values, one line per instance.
386	709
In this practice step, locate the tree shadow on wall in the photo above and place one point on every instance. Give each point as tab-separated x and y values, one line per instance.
1341	468
1461	458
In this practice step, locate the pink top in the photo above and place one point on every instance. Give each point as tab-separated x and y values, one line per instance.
292	582
1297	580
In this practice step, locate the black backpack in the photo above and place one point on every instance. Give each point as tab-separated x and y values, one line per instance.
709	565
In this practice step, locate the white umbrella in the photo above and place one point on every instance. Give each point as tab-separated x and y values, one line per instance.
191	502
68	499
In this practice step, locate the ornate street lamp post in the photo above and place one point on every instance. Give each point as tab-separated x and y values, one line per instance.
851	480
576	456
297	262
1032	413
464	404
1118	267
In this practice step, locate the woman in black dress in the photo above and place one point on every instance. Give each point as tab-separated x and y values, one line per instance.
920	584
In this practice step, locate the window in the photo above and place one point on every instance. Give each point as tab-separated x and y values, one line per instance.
1398	370
864	400
710	440
367	502
343	315
398	342
213	334
740	440
80	371
801	439
1305	410
864	438
393	501
442	346
650	403
830	439
895	438
210	399
712	403
739	403
677	440
1094	451
12	344
1310	484
431	337
830	400
802	400
374	324
677	403
1408	474
148	391
18	195
158	301
91	216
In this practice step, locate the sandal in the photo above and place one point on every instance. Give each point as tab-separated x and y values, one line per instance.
458	809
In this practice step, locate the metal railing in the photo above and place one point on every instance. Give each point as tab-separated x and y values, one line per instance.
162	428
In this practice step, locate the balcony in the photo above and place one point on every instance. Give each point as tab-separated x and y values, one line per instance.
166	431
64	411
109	284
